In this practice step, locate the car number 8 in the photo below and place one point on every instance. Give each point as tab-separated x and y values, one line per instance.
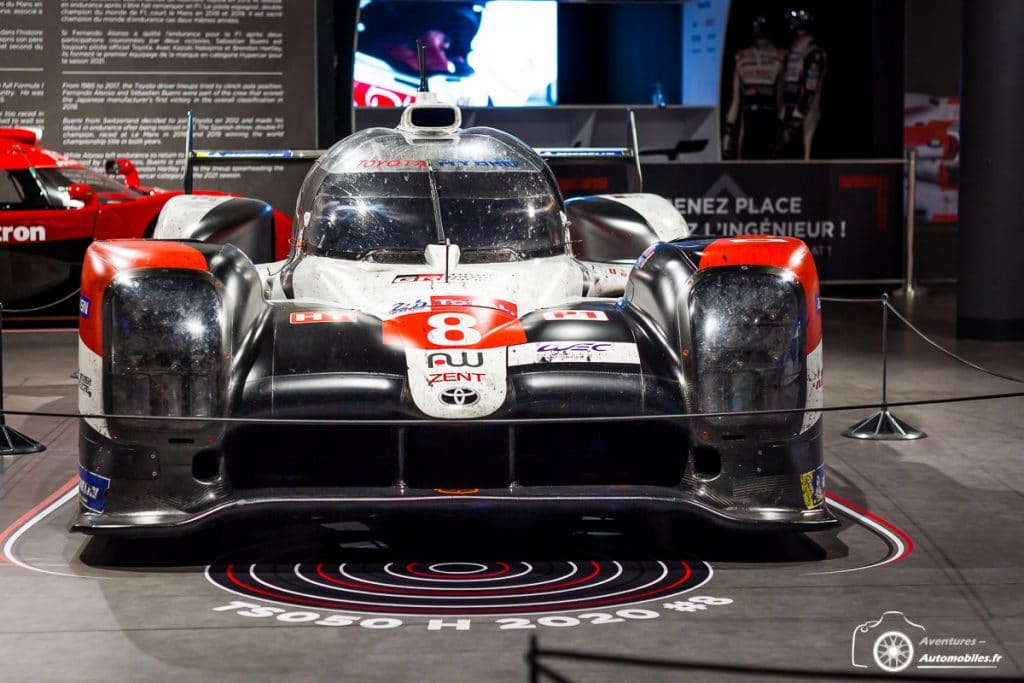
443	325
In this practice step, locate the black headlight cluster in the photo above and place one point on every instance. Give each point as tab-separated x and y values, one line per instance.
164	346
747	332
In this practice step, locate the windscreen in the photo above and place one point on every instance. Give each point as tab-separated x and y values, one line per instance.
107	189
387	199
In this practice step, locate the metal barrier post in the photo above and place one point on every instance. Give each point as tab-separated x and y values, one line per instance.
910	289
883	425
12	442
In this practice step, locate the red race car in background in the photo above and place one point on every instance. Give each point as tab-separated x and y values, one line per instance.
52	208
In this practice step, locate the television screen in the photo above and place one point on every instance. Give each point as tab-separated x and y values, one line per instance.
496	52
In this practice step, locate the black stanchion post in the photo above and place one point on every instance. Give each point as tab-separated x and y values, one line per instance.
531	657
883	425
12	442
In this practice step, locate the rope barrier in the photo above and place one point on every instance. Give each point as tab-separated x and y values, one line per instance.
504	421
44	306
848	300
923	336
949	353
575	420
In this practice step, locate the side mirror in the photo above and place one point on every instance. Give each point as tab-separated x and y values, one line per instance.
81	196
125	168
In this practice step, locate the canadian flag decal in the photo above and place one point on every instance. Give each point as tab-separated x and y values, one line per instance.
307	317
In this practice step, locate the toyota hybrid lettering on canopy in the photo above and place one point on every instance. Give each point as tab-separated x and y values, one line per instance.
449	294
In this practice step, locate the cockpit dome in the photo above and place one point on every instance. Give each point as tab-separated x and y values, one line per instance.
383	195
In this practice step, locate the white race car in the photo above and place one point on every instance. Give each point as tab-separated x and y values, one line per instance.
447	334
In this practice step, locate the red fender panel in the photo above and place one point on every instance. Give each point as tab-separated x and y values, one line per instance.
787	253
104	260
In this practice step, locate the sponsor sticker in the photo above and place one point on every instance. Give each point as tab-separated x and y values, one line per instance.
454	382
814	382
22	233
647	254
455	359
458	397
391	163
576	314
419	277
573	352
458	300
406	306
477	163
307	317
85	384
812	484
439	277
83	306
445	377
92	489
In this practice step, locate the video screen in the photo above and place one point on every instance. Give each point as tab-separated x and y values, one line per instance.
485	53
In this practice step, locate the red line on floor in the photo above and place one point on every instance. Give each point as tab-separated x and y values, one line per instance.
71	483
908	544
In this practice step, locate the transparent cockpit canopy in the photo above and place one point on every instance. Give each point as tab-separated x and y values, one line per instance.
383	196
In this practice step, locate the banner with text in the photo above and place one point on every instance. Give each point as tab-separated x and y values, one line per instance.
850	214
104	79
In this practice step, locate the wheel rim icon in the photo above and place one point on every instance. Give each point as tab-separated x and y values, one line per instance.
893	651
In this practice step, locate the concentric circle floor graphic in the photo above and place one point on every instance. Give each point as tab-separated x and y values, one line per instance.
461	587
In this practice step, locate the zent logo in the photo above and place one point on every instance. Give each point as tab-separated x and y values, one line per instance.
576	315
307	317
445	377
22	233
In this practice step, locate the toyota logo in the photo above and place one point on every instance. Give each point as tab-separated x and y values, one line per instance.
459	396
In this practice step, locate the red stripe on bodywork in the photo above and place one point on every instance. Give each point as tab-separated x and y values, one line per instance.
787	253
104	260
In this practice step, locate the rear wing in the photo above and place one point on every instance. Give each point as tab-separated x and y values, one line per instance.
206	157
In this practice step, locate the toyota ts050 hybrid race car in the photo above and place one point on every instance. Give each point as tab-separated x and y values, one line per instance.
52	208
436	279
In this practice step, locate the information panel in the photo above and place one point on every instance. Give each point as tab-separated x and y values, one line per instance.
850	214
106	78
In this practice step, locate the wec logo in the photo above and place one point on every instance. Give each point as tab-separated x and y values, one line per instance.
22	233
570	347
